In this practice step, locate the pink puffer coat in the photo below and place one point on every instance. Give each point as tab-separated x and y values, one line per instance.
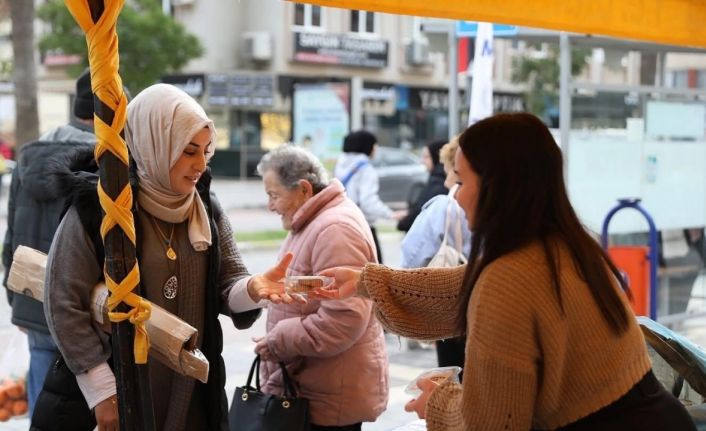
335	350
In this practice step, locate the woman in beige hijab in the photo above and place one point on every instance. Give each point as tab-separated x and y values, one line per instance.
190	264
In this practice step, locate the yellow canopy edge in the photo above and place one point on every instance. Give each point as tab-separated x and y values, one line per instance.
672	22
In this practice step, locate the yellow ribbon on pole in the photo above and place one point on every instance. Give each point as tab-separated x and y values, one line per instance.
102	40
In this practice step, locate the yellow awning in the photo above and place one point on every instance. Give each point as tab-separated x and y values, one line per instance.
673	22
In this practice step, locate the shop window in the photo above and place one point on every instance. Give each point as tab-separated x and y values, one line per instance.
306	15
362	21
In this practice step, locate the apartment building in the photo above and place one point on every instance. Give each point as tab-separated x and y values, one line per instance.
275	70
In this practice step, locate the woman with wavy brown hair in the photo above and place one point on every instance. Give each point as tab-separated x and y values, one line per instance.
551	341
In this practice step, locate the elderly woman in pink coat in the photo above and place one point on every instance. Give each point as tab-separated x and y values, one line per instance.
335	350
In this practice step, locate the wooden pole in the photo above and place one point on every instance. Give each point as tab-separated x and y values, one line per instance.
133	386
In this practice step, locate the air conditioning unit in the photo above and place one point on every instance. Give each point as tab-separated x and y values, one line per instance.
257	46
417	52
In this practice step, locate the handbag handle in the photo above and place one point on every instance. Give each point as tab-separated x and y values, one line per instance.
255	369
289	390
288	383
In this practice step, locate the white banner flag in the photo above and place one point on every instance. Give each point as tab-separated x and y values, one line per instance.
482	73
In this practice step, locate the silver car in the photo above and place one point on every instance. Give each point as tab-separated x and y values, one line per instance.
402	175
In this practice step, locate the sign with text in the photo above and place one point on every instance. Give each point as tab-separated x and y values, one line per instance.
436	99
340	49
240	90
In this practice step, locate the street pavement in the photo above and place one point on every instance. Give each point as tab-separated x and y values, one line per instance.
245	203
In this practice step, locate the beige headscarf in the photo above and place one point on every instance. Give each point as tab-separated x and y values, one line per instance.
161	121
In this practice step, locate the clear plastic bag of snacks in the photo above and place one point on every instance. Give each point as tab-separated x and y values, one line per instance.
14	361
303	284
438	375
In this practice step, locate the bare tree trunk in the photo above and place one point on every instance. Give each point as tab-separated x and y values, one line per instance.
24	73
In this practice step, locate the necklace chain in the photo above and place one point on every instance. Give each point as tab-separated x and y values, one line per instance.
167	243
171	286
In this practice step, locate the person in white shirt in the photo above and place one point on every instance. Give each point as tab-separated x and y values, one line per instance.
358	176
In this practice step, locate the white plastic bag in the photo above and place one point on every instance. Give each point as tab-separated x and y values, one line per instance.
14	362
14	353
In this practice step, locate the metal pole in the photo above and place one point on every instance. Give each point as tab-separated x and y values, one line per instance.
132	380
659	69
356	103
241	121
565	98
453	84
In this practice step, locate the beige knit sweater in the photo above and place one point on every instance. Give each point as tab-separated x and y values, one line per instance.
528	364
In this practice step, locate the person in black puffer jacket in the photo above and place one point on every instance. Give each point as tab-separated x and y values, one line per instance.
434	186
34	211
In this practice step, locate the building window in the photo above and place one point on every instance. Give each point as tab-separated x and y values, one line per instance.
701	80
680	79
306	15
362	21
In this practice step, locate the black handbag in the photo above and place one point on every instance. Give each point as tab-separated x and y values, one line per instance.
61	405
252	410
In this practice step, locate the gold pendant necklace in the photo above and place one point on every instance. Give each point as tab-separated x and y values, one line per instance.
171	286
171	254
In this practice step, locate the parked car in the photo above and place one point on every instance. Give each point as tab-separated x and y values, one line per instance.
402	175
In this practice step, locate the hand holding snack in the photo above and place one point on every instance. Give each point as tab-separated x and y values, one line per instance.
424	385
419	404
270	285
437	375
344	285
305	284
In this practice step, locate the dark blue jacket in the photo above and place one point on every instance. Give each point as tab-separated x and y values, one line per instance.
35	207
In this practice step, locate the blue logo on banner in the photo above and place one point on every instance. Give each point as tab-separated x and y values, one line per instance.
470	28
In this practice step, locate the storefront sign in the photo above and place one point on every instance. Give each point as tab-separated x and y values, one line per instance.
217	90
192	84
340	49
378	99
251	90
240	90
434	99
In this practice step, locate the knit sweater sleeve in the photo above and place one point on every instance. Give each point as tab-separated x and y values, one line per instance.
502	359
419	303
